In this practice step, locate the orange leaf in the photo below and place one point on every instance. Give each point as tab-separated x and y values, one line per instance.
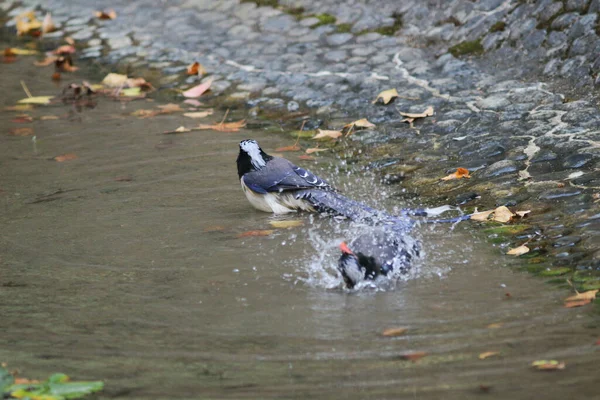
414	356
224	126
20	132
589	295
66	157
196	69
306	157
264	232
394	331
578	303
294	147
495	325
109	14
488	354
314	150
460	173
25	381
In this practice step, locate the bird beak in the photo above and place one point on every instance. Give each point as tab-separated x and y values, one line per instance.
345	249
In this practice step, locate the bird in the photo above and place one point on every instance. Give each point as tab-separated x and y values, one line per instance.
385	250
276	185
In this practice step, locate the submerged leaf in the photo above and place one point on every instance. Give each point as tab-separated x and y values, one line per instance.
414	356
199	114
394	331
20	132
36	100
488	354
386	96
314	150
265	232
294	147
580	299
286	223
325	134
224	126
66	157
15	51
548	365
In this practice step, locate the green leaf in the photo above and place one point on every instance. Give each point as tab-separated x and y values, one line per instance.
36	100
131	92
57	387
6	380
74	390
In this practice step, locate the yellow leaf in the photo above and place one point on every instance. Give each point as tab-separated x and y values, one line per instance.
495	325
386	96
314	150
199	114
589	295
548	365
488	354
324	134
20	107
481	216
23	52
502	214
48	117
394	331
131	92
427	113
36	100
27	22
286	224
518	251
113	80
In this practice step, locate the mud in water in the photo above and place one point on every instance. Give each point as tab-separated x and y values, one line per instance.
125	265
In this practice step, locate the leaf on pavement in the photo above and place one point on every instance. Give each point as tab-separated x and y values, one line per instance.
198	90
325	134
386	96
518	251
460	173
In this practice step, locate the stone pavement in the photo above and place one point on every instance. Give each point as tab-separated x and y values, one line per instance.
494	70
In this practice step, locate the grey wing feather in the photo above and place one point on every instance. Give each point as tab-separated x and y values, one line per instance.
279	175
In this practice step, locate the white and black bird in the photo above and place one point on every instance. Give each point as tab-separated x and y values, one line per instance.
386	250
274	184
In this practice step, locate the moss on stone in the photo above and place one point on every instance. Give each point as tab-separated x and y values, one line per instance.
344	28
507	229
263	3
466	48
498	27
324	19
555	271
391	30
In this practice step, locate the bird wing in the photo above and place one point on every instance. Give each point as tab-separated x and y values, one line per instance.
280	175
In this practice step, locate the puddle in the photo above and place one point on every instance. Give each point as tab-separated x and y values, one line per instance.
123	265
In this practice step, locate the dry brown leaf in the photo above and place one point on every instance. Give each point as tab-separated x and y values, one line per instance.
314	150
108	14
294	147
196	69
199	114
518	251
481	216
460	173
169	108
394	332
20	132
224	126
427	113
414	356
386	96
495	325
264	232
325	134
22	119
503	214
548	365
355	125
522	214
66	157
286	224
488	354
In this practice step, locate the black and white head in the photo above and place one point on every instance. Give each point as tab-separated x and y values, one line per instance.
251	157
356	267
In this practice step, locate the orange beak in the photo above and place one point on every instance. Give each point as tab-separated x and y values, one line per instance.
345	249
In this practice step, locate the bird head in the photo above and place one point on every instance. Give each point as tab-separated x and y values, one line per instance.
251	157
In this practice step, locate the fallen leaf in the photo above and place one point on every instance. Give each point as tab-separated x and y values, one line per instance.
138	82
314	150
26	23
518	251
47	24
224	126
265	232
21	119
15	51
181	129
495	325
48	117
427	113
394	332
522	214
19	107
56	76
198	90
169	108
66	157
20	132
460	173
125	178
578	303
113	80
196	69
199	114
131	92
325	134
481	216
386	96
306	157
589	295
488	354
36	100
193	102
64	49
358	124
47	61
108	14
414	356
286	224
293	147
548	365
25	381
502	214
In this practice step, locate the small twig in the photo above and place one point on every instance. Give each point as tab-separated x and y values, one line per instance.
225	116
27	92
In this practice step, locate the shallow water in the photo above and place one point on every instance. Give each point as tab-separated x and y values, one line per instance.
144	283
